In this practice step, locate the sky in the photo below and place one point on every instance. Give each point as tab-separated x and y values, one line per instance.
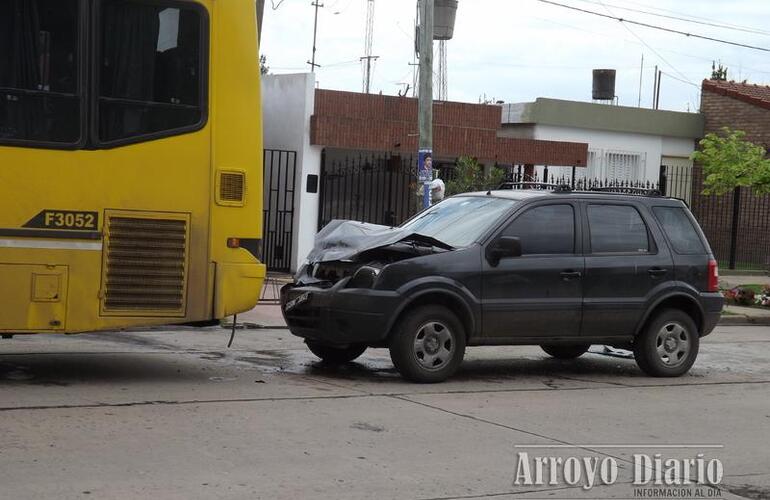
519	50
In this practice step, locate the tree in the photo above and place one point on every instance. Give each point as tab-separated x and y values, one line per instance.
264	69
470	176
730	161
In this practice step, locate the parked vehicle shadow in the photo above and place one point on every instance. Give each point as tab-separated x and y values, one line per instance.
377	368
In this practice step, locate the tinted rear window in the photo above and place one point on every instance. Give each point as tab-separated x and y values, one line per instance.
680	231
617	229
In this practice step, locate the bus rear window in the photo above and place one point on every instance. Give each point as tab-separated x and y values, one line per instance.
150	72
679	229
39	96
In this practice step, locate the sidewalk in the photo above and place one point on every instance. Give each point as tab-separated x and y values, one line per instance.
262	316
267	314
737	315
731	281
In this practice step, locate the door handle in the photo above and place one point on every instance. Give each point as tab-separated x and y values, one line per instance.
571	275
656	272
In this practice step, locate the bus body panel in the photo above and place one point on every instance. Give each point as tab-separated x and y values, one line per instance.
53	272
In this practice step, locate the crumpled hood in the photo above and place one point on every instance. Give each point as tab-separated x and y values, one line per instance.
342	240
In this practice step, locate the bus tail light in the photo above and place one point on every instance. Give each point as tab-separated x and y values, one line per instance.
233	243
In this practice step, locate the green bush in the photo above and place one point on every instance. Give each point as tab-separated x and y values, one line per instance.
469	177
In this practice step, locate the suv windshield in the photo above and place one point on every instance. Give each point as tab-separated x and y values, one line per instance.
459	221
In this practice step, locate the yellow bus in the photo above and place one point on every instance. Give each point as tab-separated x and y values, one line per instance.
130	163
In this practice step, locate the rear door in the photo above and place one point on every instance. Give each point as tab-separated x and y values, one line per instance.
627	262
540	293
690	255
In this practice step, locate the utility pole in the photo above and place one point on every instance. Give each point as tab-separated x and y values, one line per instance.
312	63
425	162
368	44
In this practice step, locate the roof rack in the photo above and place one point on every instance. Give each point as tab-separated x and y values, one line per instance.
559	188
626	190
566	188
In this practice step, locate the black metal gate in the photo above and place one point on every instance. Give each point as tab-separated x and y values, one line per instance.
376	188
280	179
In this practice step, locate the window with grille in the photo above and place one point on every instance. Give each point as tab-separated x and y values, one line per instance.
623	166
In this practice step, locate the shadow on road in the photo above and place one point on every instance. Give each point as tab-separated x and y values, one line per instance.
71	369
495	370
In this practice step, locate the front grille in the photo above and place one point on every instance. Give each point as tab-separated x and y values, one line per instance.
146	262
231	187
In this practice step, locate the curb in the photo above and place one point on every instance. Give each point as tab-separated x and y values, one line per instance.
740	320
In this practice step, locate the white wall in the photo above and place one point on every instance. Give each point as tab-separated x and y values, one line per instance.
652	147
288	102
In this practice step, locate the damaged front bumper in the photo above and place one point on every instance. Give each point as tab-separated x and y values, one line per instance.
338	315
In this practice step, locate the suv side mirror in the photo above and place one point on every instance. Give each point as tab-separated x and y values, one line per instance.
504	246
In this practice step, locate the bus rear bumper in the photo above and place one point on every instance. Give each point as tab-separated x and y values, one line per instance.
237	288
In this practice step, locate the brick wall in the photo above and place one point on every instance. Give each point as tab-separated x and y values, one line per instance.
725	111
715	213
352	120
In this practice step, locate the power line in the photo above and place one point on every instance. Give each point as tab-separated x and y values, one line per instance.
653	26
636	42
649	47
680	80
689	15
714	24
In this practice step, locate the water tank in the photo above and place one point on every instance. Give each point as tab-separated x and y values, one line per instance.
444	13
604	85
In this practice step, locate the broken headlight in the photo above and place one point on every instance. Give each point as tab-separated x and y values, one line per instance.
364	277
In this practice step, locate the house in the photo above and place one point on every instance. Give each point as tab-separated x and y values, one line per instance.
346	155
624	143
738	224
740	106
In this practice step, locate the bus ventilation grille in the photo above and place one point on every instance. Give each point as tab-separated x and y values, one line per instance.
146	265
231	187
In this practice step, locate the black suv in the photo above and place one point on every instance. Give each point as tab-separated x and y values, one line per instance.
559	269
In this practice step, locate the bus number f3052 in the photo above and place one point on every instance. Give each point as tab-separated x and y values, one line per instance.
65	219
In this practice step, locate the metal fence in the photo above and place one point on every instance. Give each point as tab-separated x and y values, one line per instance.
381	189
737	225
376	188
279	181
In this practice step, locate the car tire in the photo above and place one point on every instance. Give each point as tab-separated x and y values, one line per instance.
565	351
336	355
668	345
428	344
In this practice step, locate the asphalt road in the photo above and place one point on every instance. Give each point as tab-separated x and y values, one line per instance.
174	414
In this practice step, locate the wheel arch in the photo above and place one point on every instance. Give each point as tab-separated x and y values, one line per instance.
679	301
447	298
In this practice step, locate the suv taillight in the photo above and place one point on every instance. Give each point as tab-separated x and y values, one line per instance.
713	285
